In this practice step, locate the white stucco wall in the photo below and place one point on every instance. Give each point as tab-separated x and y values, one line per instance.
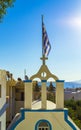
3	98
55	118
3	121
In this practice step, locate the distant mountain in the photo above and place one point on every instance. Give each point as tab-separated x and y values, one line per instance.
78	81
73	84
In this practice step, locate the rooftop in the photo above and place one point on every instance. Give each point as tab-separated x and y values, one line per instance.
37	105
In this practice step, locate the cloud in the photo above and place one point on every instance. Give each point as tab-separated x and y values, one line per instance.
74	22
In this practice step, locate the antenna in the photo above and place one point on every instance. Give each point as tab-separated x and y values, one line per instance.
24	73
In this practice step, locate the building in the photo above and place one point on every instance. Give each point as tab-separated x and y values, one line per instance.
43	114
3	103
10	93
75	95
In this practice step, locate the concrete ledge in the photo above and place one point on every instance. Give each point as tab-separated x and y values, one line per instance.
28	81
60	80
43	81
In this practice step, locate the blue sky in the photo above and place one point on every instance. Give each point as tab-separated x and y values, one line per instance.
21	38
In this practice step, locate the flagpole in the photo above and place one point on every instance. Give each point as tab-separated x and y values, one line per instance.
43	53
43	56
42	36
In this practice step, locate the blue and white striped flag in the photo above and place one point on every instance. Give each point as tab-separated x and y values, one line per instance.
46	43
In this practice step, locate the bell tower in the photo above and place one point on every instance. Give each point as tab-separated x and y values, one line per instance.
44	74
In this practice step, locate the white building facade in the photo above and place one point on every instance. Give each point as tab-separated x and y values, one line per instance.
2	100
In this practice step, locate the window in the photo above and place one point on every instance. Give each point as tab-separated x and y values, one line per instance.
0	90
0	125
22	96
43	126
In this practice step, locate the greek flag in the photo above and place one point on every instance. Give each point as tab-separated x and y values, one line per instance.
46	43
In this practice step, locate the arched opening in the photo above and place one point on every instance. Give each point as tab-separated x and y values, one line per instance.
43	125
51	89
37	79
36	86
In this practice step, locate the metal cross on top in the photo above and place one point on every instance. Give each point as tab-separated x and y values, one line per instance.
43	58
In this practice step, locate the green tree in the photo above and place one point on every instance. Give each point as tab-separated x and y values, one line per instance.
78	103
51	96
36	86
51	87
4	4
74	110
79	113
